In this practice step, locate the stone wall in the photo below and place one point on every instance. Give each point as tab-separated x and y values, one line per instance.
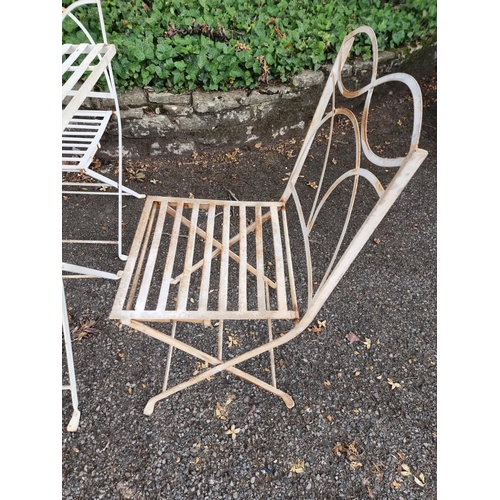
165	123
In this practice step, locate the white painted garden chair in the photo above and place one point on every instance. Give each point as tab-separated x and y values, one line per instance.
83	129
219	261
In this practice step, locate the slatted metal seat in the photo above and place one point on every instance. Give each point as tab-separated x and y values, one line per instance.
216	261
160	290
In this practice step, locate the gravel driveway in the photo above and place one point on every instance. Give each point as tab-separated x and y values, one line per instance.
364	423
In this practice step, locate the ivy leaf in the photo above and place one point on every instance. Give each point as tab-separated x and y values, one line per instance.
180	65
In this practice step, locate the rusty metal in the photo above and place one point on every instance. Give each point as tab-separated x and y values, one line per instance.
181	244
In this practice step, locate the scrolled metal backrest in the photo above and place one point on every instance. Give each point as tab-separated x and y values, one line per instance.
68	12
343	253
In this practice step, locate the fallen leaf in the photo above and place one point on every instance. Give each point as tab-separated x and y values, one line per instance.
233	341
367	343
327	383
376	240
316	330
298	467
312	184
420	480
352	337
339	448
230	398
85	328
370	491
396	484
220	412
233	431
355	465
393	384
405	470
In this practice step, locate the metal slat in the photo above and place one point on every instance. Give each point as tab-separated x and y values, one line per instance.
278	259
259	251
182	296
143	248
169	263
128	272
242	288
291	275
79	97
83	157
207	260
201	316
72	57
81	68
224	262
150	264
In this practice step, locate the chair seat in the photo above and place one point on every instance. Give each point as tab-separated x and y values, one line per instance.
203	260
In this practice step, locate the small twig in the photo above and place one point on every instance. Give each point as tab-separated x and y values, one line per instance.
180	235
107	444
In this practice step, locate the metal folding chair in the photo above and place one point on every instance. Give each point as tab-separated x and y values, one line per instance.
218	261
84	65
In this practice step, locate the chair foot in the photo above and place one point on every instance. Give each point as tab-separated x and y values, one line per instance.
288	401
74	422
148	409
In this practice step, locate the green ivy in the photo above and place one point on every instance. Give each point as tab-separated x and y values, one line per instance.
181	45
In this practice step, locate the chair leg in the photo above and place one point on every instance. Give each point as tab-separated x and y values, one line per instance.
148	410
271	351
162	337
75	419
169	358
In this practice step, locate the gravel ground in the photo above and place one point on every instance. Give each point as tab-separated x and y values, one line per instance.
364	423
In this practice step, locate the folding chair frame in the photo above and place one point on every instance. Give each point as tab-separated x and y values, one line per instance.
150	291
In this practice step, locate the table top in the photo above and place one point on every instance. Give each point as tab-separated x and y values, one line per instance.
93	60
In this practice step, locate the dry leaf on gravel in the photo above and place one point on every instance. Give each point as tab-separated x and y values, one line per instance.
352	337
393	384
420	479
233	431
298	467
86	328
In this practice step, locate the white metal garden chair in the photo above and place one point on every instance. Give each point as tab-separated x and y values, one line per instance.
82	129
205	261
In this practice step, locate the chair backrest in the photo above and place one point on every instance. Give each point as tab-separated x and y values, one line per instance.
364	179
67	12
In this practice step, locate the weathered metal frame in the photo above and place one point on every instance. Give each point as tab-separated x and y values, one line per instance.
82	129
131	302
72	386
